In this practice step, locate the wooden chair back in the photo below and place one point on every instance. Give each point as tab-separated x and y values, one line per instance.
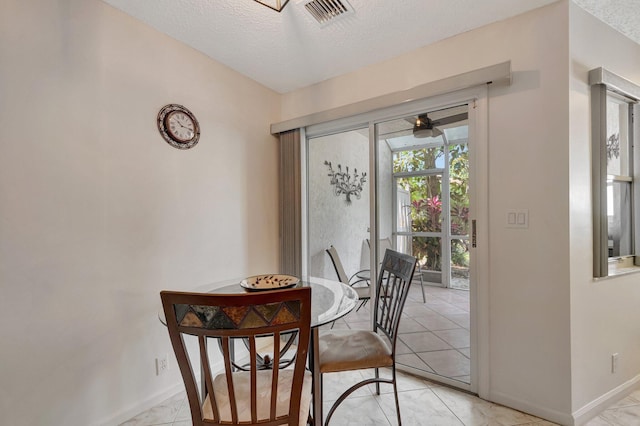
228	317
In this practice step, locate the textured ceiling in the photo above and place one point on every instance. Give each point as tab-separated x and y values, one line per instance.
623	15
289	50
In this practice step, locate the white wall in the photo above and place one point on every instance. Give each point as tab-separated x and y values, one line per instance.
529	339
331	220
604	313
98	213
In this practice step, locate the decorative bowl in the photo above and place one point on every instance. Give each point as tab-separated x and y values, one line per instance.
269	282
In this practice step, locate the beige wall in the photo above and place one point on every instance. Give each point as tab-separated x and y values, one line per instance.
98	213
528	290
604	313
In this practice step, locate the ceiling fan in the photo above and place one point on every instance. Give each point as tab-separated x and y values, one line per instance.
424	127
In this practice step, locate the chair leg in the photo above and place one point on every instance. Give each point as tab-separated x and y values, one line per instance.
377	383
395	393
424	299
318	422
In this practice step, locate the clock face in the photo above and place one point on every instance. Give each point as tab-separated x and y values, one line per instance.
180	126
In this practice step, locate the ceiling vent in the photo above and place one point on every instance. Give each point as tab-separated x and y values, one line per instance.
325	11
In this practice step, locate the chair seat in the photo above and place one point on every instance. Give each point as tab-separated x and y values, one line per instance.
242	388
343	350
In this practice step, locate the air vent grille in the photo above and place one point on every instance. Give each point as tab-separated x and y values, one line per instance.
325	10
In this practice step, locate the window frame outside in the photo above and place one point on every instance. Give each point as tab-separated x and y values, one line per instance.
603	84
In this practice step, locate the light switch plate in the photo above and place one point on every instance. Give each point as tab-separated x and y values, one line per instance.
517	218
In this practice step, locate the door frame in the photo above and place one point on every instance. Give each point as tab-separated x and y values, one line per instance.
477	98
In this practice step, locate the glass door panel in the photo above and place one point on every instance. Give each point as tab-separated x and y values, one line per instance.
421	207
424	211
459	189
338	202
460	264
419	159
428	251
423	160
458	155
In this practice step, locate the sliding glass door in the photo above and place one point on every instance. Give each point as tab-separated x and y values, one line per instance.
418	161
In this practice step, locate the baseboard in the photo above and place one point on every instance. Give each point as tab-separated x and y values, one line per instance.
141	406
595	407
533	409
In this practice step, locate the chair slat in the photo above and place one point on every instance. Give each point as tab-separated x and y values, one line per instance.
206	366
253	357
274	376
228	373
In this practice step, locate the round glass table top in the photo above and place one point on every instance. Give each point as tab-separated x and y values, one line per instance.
330	300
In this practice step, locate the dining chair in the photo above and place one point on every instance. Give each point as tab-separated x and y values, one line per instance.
347	350
420	270
385	244
267	397
364	292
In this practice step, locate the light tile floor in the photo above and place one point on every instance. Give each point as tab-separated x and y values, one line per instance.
421	403
440	343
434	336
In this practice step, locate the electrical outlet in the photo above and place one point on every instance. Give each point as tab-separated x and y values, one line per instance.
614	363
162	365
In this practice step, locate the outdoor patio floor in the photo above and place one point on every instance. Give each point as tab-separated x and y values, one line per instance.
434	335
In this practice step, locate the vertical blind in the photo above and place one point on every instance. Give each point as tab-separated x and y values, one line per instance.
290	204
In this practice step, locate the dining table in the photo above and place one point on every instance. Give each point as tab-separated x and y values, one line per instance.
330	301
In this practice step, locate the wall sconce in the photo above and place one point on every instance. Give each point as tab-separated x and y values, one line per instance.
276	5
344	183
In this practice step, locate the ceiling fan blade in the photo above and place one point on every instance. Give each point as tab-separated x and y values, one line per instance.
451	119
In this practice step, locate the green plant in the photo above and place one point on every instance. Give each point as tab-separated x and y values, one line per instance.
426	202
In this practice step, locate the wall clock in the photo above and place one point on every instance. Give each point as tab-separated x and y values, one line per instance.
178	126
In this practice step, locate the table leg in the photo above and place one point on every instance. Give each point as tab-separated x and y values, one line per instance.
314	366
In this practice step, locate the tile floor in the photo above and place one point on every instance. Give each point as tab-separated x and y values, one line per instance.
421	403
434	336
